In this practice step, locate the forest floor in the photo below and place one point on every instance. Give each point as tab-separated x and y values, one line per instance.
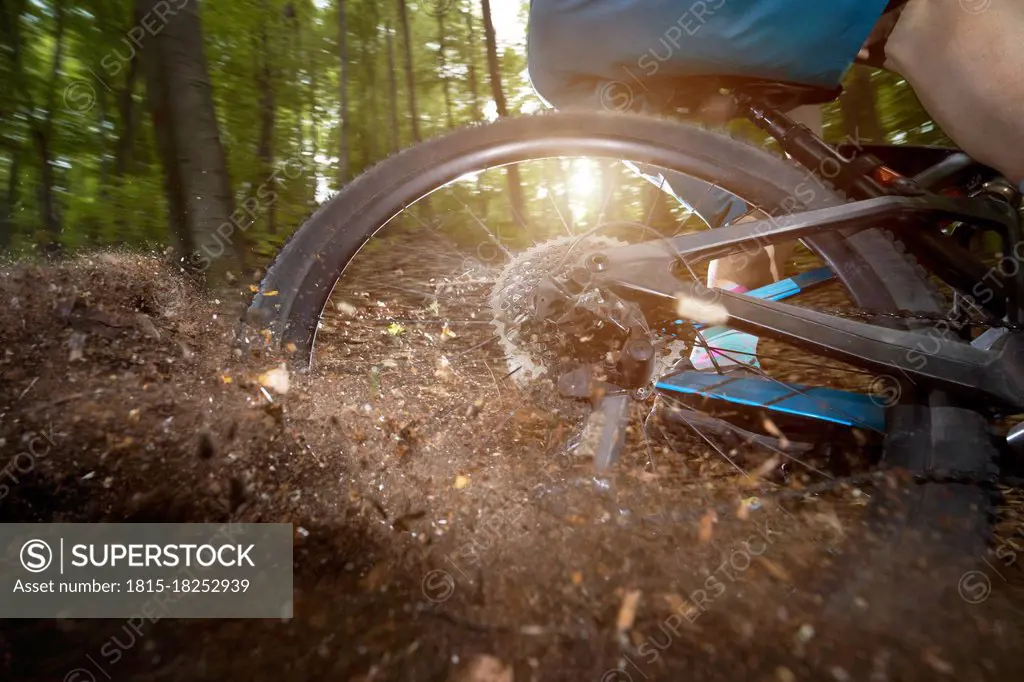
442	530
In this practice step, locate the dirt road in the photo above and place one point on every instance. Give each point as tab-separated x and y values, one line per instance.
442	530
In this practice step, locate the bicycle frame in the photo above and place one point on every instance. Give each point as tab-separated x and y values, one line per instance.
930	357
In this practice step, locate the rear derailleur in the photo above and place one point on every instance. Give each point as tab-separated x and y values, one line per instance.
628	372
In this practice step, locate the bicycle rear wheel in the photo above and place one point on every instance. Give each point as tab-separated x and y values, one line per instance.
873	268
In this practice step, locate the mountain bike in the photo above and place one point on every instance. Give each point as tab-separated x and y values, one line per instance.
928	327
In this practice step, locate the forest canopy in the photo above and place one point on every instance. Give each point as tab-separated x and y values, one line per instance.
104	123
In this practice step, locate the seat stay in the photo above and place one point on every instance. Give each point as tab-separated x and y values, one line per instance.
723	241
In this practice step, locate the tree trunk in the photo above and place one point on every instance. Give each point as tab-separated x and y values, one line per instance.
392	88
188	140
91	227
126	117
268	118
442	65
124	147
493	65
10	36
515	188
343	145
859	105
314	118
9	202
371	49
42	133
410	79
474	86
474	92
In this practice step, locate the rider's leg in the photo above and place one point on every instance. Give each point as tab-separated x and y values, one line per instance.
745	271
966	67
755	267
577	49
766	264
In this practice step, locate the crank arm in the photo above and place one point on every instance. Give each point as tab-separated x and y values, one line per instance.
723	241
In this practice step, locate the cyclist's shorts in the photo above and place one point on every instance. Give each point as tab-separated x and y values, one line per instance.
577	46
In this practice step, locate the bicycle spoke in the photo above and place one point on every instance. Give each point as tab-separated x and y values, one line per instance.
493	238
696	209
779	451
764	375
479	345
803	363
554	203
717	449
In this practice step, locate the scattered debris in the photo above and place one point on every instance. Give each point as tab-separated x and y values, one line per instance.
444	369
236	494
784	674
707	523
839	674
627	611
402	523
207	448
703	311
257	464
765	468
747	505
483	668
776	571
345	308
935	663
76	344
774	430
28	388
146	326
805	633
276	380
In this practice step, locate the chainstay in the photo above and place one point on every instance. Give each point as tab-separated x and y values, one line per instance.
919	316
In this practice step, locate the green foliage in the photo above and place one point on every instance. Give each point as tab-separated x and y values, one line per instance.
294	41
280	56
